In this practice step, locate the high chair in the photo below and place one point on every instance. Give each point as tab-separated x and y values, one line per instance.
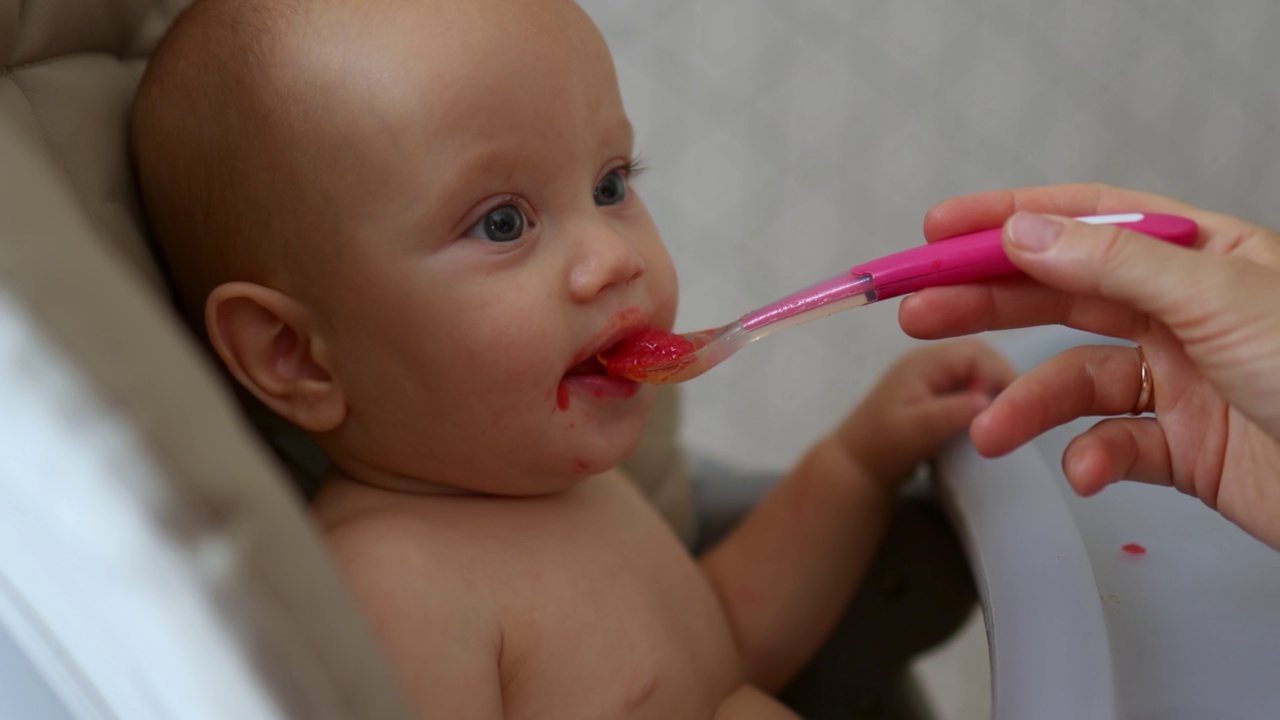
152	562
1137	604
155	561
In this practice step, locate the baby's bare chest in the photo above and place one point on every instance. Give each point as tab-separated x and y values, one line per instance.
604	615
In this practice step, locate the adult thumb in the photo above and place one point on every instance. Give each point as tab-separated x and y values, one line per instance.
1223	308
1150	275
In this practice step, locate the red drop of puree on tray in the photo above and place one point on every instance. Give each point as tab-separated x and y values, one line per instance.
636	354
1134	549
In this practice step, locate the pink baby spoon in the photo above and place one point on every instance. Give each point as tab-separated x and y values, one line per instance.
654	356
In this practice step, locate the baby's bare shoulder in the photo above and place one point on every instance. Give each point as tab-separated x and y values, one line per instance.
392	545
437	629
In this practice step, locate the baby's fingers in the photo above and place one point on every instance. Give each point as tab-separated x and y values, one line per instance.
1082	381
934	421
916	432
967	364
1118	449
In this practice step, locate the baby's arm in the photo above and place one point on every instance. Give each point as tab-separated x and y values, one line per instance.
442	645
786	573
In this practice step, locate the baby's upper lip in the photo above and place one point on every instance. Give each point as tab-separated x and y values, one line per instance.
620	326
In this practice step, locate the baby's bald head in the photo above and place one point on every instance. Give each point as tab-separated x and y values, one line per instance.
271	136
323	177
233	153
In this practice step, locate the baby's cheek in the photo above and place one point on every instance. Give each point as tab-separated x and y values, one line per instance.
664	298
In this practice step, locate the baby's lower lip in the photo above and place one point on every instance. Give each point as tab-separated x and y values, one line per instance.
601	386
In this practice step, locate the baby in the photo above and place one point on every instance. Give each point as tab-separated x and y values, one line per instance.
408	228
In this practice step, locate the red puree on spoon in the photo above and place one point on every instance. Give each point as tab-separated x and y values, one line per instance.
634	355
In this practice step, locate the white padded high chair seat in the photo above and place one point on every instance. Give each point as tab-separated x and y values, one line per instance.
1140	603
153	561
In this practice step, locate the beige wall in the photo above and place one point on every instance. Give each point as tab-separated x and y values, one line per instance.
791	139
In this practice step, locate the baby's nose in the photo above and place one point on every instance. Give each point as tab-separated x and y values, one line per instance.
605	259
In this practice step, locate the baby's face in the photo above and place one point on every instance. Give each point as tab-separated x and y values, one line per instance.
500	246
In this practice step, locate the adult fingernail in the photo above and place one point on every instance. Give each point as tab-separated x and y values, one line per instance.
1033	232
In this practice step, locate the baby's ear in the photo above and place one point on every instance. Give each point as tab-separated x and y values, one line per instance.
267	342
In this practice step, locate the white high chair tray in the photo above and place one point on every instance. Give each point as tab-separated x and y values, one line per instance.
1081	627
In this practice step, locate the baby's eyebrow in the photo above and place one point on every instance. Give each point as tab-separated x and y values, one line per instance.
620	129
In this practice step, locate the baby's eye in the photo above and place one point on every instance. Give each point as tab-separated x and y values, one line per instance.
503	224
611	190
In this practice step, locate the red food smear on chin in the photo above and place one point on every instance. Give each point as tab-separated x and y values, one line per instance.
636	354
1134	549
562	397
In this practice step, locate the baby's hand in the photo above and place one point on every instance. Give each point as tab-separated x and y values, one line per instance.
929	395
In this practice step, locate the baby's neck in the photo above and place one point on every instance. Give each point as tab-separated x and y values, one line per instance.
394	483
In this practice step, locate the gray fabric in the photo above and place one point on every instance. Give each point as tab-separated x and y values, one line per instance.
916	594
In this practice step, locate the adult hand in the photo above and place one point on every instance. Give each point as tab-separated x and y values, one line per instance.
1207	320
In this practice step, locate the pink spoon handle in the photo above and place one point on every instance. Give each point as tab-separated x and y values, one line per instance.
980	256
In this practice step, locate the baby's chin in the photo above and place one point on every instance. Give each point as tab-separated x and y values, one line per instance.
613	444
548	451
577	446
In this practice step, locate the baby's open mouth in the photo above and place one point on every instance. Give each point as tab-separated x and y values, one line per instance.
649	355
590	366
590	379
